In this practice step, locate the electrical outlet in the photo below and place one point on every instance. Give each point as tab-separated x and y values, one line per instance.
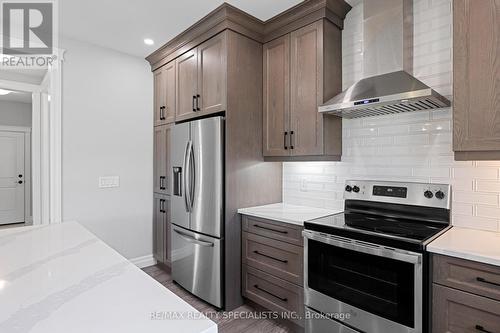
109	181
303	185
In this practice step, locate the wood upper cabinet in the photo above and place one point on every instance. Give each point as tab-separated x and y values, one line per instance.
161	229
302	70
476	79
201	79
276	97
162	178
212	67
164	92
187	85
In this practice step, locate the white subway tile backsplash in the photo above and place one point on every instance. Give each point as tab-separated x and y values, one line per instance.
414	146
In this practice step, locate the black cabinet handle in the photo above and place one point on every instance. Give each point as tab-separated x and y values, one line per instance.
284	140
270	229
198	102
483	280
481	329
20	182
284	299
20	176
273	258
162	205
162	183
291	140
194	102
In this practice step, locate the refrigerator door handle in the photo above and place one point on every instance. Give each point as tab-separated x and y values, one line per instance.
192	177
187	185
193	240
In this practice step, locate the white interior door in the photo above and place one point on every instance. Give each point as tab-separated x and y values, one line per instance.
12	177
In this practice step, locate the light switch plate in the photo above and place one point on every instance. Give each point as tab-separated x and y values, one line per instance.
109	181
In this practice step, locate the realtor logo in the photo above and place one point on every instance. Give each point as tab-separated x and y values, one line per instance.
27	28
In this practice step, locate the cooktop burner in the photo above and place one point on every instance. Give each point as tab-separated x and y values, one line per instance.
400	215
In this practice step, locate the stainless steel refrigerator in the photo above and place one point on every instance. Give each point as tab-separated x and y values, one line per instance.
197	211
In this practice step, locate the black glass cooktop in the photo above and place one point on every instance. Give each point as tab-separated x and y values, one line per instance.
390	231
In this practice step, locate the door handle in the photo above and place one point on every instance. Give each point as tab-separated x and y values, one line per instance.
20	182
284	299
292	139
187	177
162	205
192	176
194	103
162	183
267	256
193	240
284	140
198	102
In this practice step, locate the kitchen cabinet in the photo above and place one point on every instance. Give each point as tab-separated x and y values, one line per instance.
161	229
466	296
162	178
273	264
302	70
476	77
201	79
164	94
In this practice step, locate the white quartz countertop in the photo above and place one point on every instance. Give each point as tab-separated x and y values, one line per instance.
470	244
287	213
61	278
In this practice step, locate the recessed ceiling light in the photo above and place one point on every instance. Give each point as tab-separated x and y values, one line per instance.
149	41
4	92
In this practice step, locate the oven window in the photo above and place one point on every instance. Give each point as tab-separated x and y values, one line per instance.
382	286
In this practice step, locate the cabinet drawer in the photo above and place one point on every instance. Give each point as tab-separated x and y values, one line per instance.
272	229
460	312
275	257
473	277
271	292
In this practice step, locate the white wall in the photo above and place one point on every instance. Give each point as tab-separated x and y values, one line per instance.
15	114
108	130
409	147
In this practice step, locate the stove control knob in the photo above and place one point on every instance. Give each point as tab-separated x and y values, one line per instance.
428	194
355	189
348	188
440	195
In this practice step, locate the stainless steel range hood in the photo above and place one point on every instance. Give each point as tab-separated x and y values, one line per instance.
388	52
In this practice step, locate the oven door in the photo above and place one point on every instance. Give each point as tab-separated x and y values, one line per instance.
370	287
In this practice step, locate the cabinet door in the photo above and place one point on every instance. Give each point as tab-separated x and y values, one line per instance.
276	97
306	123
476	72
187	85
159	96
159	228
169	91
162	179
212	65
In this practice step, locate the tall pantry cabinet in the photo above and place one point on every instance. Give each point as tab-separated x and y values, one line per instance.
164	115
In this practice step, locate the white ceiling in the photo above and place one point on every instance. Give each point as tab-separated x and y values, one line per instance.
122	25
17	96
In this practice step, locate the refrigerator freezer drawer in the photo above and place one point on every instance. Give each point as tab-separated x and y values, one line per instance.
196	264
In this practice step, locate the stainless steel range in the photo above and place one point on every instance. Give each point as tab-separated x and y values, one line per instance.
366	269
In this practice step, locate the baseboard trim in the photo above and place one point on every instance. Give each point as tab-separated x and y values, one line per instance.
144	261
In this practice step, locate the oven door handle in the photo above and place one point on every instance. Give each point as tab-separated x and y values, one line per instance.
345	243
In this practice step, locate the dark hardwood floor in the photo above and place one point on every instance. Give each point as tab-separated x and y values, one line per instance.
225	322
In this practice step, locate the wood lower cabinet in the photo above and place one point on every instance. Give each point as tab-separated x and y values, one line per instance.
273	265
302	70
161	173
466	296
476	79
201	79
164	92
161	229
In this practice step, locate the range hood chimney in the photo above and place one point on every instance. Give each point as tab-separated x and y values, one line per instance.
388	86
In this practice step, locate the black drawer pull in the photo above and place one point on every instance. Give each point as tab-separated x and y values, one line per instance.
284	299
481	329
284	141
265	255
194	103
270	229
292	140
198	102
480	279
